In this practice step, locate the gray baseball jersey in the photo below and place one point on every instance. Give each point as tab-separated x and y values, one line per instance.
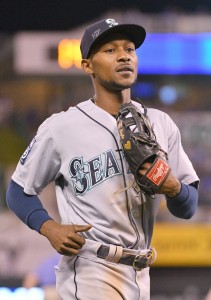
80	150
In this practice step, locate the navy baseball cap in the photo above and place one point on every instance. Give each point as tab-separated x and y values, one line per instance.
97	31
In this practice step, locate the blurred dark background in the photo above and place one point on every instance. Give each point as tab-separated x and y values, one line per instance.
62	15
38	77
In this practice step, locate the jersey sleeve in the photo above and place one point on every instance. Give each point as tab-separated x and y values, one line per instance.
40	163
178	159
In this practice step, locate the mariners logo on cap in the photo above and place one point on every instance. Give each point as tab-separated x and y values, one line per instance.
111	22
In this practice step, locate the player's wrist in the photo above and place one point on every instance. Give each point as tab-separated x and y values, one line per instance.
175	190
45	227
181	196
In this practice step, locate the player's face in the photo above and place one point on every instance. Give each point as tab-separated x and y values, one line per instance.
114	63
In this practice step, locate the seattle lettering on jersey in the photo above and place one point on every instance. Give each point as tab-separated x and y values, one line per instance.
86	175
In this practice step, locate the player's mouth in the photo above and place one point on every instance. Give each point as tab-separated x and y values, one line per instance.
125	69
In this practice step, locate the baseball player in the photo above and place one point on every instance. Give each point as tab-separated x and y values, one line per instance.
107	221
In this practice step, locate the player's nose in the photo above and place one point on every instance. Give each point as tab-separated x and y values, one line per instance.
122	55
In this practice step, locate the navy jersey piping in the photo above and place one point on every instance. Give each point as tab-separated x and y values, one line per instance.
76	287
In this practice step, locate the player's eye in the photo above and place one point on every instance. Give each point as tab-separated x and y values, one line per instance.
130	49
109	50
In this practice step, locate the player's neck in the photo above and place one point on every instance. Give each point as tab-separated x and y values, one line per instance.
111	102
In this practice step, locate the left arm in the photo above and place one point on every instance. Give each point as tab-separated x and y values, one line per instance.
182	199
184	205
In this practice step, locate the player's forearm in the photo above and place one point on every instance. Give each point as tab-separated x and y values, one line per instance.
184	205
28	208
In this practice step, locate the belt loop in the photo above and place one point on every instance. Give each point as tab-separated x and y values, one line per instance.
118	255
114	254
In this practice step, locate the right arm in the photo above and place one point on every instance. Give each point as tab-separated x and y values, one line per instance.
29	209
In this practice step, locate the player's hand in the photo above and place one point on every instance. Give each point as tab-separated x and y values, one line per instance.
64	238
170	187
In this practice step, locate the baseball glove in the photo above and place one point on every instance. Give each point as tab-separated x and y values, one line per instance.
139	146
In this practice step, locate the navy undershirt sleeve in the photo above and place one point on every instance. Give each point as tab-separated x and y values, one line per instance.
184	205
31	211
28	208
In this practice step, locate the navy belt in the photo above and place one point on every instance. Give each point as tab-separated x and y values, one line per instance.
138	262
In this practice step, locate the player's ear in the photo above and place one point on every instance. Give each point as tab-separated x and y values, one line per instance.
86	65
